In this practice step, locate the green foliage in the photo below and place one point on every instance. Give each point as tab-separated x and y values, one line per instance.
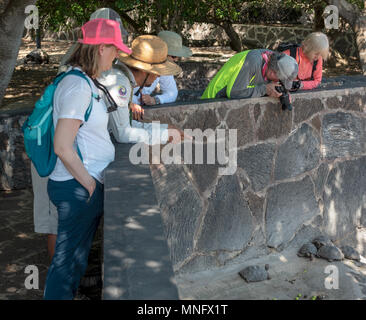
60	13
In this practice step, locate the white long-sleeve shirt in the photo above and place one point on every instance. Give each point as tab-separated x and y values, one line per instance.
120	86
168	88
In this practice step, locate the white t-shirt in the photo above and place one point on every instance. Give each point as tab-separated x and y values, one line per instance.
168	88
119	87
71	100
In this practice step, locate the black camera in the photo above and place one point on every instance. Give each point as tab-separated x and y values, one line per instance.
284	98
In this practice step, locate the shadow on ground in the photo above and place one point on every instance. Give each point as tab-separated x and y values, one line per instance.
20	247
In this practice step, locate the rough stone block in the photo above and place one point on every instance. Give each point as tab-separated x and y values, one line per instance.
354	102
198	263
344	197
202	119
240	119
305	234
343	135
316	123
257	111
174	191
298	154
275	122
257	161
289	206
319	178
228	223
204	175
256	204
305	108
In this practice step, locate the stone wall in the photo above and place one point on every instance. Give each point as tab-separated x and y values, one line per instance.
14	162
267	36
252	36
300	174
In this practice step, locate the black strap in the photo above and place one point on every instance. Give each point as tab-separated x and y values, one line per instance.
293	53
314	68
141	87
113	105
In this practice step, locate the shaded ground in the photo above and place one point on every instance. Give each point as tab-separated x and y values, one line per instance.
28	81
291	278
20	246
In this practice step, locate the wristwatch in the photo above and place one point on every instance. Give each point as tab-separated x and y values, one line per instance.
157	100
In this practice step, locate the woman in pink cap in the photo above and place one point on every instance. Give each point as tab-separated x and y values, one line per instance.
84	149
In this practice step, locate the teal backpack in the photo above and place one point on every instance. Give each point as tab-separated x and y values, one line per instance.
39	130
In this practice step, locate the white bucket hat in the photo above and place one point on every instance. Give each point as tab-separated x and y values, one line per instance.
174	42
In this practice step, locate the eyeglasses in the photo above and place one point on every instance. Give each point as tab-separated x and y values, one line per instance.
112	104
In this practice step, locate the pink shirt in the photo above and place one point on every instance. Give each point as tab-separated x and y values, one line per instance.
305	69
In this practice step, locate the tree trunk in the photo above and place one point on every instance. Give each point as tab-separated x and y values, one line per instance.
11	32
360	31
357	20
318	18
235	42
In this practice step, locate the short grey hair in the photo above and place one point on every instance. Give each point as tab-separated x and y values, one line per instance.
273	61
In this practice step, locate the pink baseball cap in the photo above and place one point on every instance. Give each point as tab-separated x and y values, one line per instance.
105	31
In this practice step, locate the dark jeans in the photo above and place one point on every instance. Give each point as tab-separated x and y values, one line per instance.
78	220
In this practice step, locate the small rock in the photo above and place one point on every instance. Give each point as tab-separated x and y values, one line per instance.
266	267
254	274
307	250
330	253
350	253
322	241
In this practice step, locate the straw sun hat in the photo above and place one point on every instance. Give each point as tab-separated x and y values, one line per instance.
149	53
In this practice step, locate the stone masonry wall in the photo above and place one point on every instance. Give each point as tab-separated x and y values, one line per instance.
14	162
266	36
252	36
300	174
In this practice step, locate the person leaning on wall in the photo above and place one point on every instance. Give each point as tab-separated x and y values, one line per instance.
252	73
75	186
310	55
119	79
147	62
168	86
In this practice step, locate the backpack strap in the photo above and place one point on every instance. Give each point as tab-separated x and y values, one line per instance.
80	74
314	68
88	111
124	70
293	51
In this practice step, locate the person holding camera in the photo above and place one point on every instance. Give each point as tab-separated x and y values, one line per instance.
309	56
253	73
